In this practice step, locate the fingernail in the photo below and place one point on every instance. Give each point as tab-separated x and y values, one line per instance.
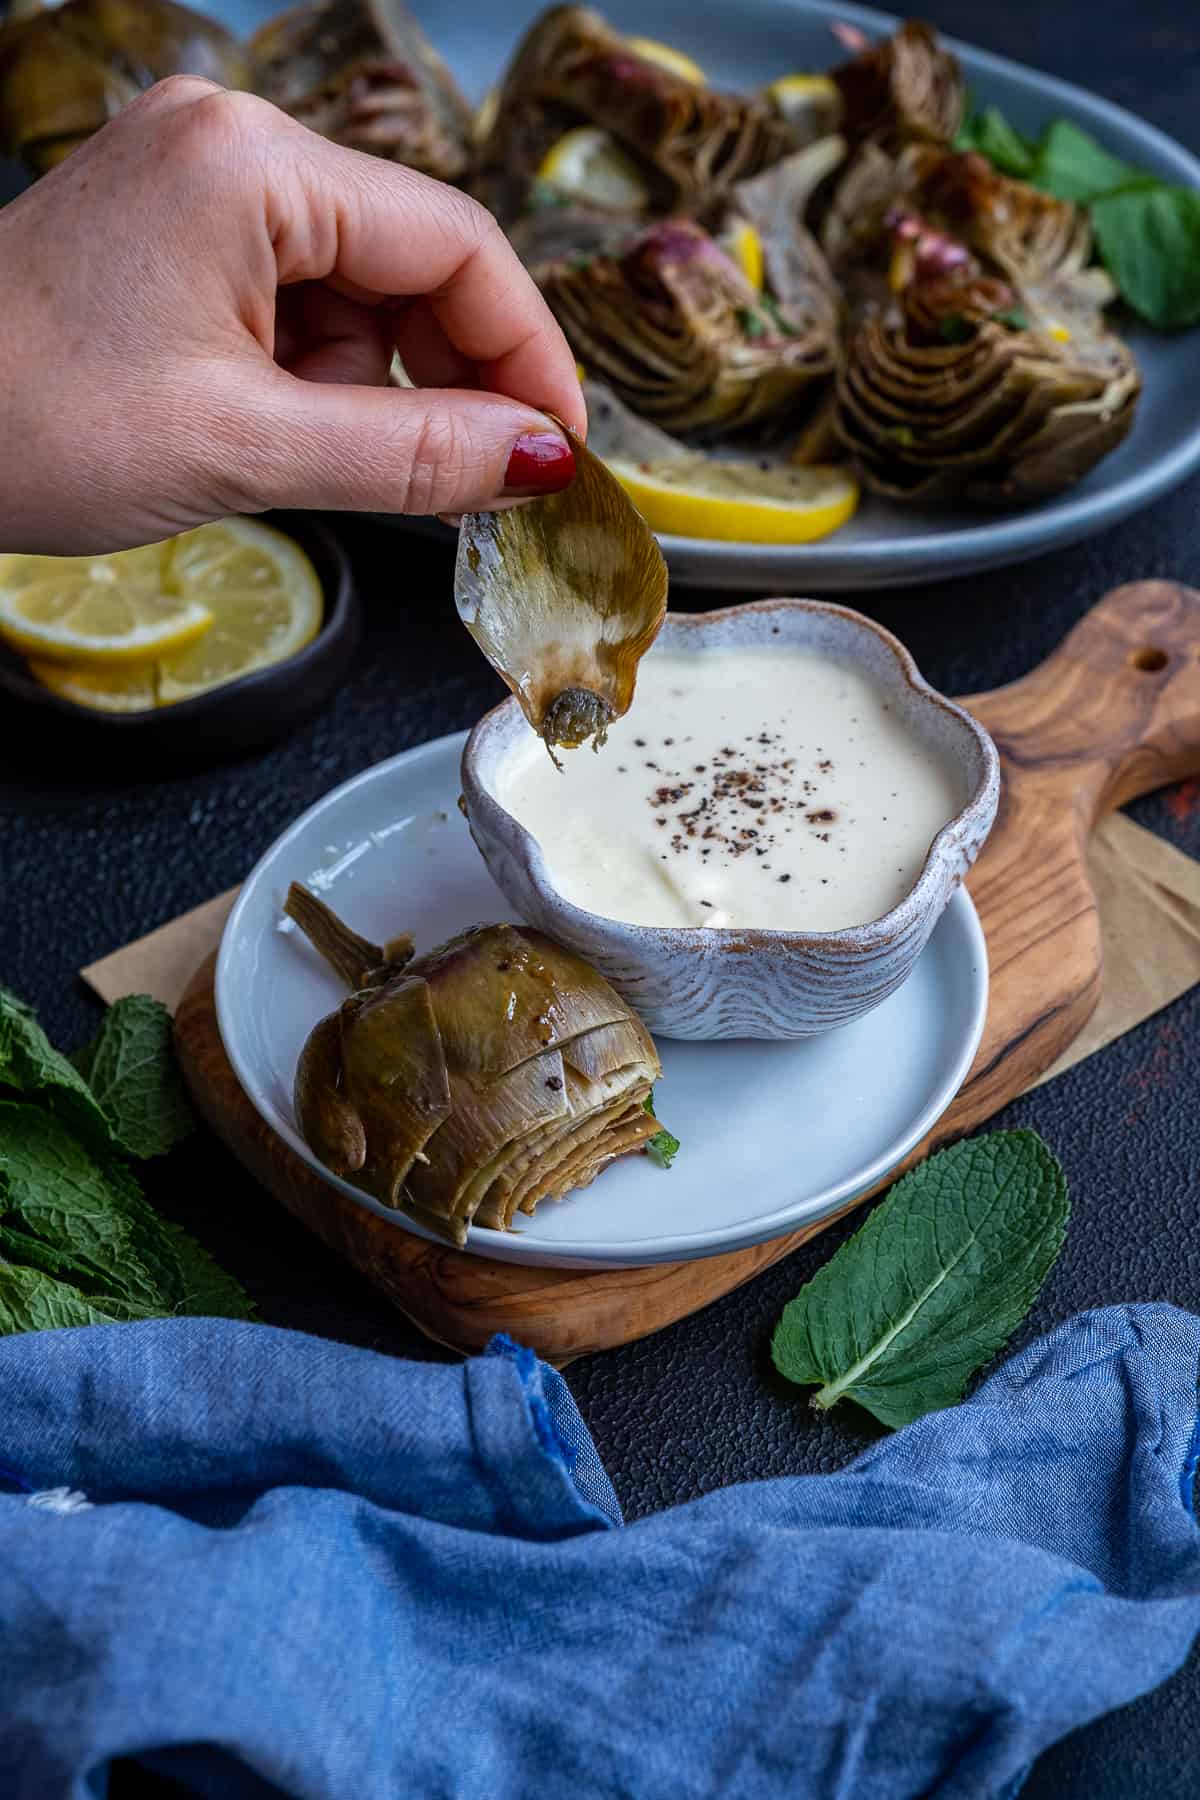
542	462
453	520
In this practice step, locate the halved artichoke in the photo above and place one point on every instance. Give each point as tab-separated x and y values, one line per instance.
968	389
675	328
572	69
905	90
564	596
65	72
363	73
473	1082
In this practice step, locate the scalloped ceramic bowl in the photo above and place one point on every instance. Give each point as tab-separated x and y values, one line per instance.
727	982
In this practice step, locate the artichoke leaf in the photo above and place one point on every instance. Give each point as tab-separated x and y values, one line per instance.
327	1119
394	1075
564	595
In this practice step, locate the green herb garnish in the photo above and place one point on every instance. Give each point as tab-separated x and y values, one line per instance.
771	307
542	195
664	1147
1015	317
954	329
1147	232
79	1243
752	326
933	1284
901	434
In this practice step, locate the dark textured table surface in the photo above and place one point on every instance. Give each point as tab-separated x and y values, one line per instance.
94	858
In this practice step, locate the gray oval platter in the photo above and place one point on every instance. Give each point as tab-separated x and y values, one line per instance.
884	546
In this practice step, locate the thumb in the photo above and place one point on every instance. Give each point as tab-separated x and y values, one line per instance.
328	447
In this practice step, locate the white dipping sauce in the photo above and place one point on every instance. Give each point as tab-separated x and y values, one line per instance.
749	787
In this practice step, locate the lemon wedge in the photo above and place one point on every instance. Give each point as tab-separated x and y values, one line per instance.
650	50
587	164
738	501
743	246
260	597
97	609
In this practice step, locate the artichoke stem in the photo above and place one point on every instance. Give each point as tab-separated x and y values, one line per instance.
359	962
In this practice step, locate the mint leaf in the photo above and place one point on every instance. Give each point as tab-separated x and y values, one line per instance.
31	1065
1015	317
750	323
32	1301
938	1278
990	133
1073	166
208	1292
93	1212
131	1070
664	1146
1149	240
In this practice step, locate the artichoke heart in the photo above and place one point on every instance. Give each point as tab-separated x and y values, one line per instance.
471	1083
1027	234
65	72
690	142
676	330
564	596
363	73
968	389
905	90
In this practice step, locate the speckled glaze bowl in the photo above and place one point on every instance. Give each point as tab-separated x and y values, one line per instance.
725	982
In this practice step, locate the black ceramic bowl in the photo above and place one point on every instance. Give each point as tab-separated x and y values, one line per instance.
243	715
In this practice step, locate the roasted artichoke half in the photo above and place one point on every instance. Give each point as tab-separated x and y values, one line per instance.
66	71
907	89
363	73
677	331
690	143
473	1082
969	389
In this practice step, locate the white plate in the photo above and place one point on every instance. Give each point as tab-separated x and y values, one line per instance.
774	1135
744	45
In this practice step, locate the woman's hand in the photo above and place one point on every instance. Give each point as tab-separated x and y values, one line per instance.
200	310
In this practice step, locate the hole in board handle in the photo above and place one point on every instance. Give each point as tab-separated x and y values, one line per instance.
1149	659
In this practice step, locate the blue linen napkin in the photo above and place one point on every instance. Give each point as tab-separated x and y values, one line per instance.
268	1564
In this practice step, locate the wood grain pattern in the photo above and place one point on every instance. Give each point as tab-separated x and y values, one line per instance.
1114	713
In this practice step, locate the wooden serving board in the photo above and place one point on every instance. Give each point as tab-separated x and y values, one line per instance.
1114	713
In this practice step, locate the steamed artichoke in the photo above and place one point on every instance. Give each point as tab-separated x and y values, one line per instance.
572	69
65	72
492	1073
674	327
564	596
905	90
969	389
363	73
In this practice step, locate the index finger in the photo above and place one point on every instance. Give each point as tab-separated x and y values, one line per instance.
386	231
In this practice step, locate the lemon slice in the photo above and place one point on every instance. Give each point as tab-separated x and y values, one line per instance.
115	689
97	610
261	600
809	102
587	164
743	246
264	597
650	50
738	501
486	115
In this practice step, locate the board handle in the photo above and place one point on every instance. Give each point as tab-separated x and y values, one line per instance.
1114	712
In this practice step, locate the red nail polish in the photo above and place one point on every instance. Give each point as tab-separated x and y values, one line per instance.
542	462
